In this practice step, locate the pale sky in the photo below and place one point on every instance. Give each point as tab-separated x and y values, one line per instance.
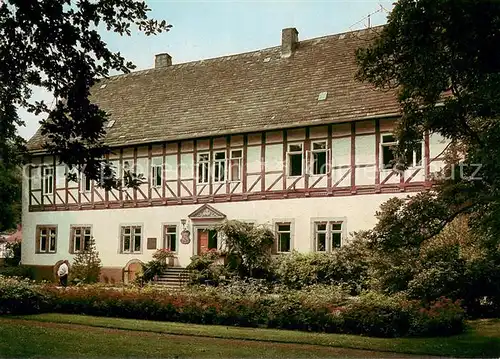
210	28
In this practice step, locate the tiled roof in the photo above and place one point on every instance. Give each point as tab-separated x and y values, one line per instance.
241	93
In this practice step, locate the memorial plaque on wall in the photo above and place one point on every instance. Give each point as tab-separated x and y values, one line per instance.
151	243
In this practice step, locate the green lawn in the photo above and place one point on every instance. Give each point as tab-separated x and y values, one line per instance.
49	335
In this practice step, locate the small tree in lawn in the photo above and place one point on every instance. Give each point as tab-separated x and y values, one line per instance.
87	265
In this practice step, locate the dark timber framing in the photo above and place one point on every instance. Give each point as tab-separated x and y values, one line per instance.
270	189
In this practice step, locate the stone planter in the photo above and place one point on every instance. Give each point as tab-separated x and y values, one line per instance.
170	261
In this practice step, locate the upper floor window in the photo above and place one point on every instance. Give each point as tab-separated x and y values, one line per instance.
319	158
220	166
170	237
295	159
236	165
328	235
80	238
46	237
157	172
387	144
284	237
131	239
413	158
48	180
203	167
85	183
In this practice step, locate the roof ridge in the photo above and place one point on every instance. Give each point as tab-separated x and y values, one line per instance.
239	55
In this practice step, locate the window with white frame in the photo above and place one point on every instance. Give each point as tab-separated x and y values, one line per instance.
80	238
85	183
413	157
328	235
220	166
48	180
156	172
203	167
236	165
46	239
295	159
284	237
387	144
319	158
131	239
170	237
125	170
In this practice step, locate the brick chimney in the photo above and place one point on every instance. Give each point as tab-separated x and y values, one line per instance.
289	41
163	60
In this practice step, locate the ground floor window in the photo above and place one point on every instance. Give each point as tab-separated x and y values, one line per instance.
80	238
46	237
284	237
170	237
328	235
131	239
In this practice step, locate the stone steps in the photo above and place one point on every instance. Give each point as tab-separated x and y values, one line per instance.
173	277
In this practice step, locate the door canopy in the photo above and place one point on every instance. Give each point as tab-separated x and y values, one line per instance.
206	212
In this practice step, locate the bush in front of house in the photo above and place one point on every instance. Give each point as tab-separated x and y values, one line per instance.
150	270
313	309
19	271
21	296
346	266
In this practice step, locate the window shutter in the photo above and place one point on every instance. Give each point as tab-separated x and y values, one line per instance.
120	250
72	240
37	248
274	248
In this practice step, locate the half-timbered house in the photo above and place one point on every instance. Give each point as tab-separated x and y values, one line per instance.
283	136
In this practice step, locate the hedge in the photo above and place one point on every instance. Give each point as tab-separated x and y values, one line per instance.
370	314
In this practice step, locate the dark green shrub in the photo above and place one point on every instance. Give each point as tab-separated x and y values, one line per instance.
248	247
17	271
314	309
21	297
376	315
347	266
205	269
150	270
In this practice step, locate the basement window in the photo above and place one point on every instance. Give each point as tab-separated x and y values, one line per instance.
295	159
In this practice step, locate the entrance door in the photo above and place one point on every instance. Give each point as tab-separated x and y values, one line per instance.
202	241
207	240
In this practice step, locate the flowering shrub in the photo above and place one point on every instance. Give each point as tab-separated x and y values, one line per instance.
163	253
314	309
21	297
442	315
